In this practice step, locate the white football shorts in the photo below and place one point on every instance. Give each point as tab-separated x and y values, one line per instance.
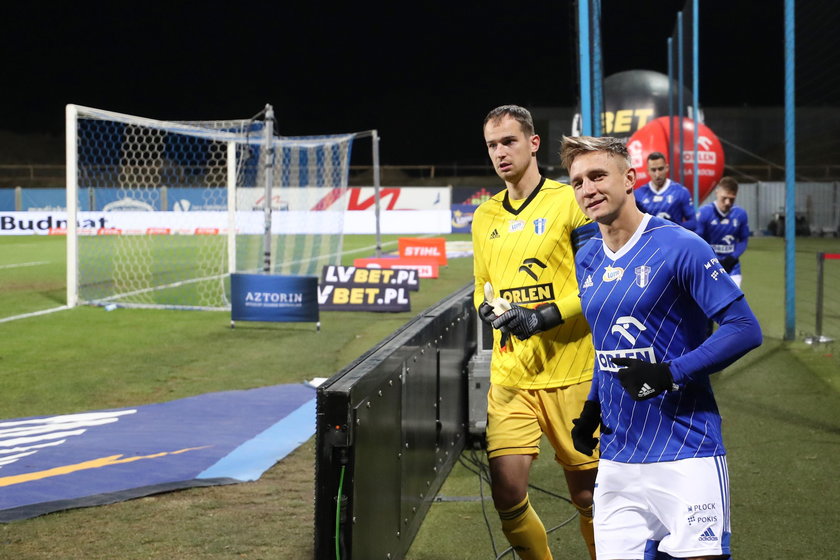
677	507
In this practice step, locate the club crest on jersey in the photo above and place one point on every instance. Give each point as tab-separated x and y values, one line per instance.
516	225
539	226
612	273
642	276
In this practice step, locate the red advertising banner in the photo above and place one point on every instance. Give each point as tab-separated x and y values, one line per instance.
424	247
425	267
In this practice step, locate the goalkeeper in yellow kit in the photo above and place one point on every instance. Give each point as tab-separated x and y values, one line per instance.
524	240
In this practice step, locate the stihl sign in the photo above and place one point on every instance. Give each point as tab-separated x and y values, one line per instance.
433	248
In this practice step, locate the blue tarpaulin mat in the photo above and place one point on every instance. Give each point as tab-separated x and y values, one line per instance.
53	463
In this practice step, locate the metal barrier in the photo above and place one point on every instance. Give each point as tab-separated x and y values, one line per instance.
819	337
389	428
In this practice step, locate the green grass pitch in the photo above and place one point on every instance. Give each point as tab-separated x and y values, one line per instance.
780	405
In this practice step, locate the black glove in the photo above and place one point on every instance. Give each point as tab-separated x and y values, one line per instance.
583	432
728	262
485	311
523	322
644	380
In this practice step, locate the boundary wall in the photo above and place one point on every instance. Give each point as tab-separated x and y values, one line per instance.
817	207
389	428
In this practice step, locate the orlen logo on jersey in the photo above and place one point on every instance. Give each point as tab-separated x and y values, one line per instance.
727	245
605	357
623	327
538	293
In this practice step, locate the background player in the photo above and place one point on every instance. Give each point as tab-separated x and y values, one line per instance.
524	240
724	226
663	197
647	287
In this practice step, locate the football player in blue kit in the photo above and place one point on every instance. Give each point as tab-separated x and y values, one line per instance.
724	226
664	198
647	287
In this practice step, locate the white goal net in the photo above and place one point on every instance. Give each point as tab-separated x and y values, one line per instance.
165	211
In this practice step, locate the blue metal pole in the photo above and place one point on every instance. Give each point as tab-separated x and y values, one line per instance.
671	92
790	176
585	69
680	88
597	71
695	82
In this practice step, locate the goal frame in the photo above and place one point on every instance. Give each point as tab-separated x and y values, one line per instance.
267	141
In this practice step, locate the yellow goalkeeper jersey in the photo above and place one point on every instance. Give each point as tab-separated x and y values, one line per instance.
526	250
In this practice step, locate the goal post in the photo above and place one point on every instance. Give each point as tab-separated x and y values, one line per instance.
160	213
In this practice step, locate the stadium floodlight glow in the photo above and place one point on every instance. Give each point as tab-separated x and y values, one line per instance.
160	213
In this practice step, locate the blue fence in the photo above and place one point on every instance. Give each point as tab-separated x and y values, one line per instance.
104	199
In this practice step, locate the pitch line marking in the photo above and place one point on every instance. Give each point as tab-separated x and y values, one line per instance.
21	265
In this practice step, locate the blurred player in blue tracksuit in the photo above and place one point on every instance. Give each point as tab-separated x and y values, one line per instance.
647	287
664	198
724	226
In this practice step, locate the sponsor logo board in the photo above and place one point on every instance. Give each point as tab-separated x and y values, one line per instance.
424	247
425	267
404	278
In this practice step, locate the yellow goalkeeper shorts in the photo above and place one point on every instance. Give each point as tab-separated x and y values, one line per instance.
517	419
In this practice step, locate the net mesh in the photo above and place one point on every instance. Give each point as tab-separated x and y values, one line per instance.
154	213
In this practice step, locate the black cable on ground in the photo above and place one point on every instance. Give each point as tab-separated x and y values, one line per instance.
477	466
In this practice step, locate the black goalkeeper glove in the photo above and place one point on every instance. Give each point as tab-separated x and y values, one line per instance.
644	380
485	311
523	322
583	432
728	263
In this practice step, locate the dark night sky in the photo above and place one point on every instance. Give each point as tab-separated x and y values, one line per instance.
423	74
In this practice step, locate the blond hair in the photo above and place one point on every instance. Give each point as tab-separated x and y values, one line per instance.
574	146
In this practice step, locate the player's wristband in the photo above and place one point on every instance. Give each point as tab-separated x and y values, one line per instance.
550	316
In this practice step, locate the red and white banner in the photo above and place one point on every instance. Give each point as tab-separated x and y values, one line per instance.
425	267
353	199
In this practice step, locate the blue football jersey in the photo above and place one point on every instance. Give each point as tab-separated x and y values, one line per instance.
673	202
650	301
724	232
